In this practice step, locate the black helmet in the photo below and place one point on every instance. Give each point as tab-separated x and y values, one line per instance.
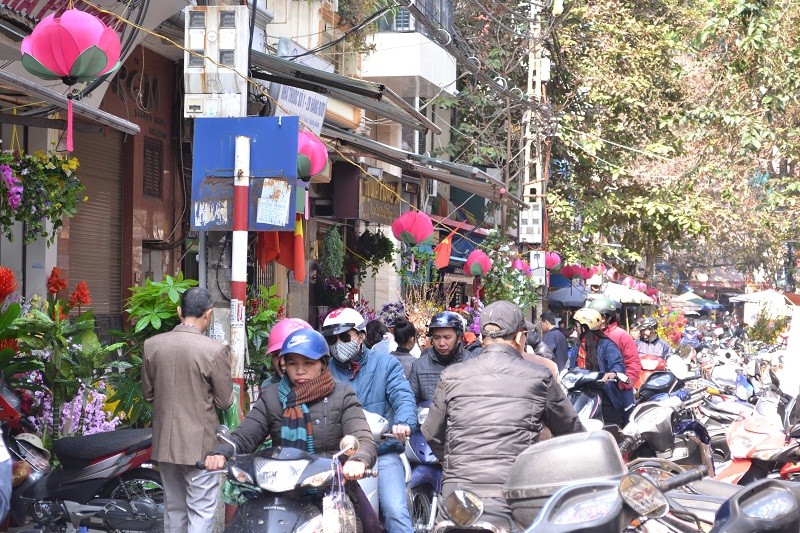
649	323
447	319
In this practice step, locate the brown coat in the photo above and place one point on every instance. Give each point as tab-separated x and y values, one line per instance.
186	375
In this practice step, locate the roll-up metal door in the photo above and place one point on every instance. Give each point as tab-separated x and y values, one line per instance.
95	232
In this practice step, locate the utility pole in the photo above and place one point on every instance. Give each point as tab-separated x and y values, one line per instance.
531	220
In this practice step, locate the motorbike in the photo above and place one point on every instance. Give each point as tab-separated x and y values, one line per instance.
426	476
104	482
584	391
610	506
650	364
767	505
285	488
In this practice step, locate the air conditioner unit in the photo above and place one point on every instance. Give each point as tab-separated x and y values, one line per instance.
431	188
403	21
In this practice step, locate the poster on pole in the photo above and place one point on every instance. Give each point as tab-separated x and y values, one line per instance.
273	172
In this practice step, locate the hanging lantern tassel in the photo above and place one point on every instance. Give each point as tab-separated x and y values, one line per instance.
70	145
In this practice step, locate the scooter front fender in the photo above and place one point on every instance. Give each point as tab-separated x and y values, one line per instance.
273	514
426	474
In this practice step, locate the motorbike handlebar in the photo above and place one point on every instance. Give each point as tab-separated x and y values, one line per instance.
370	472
695	474
200	465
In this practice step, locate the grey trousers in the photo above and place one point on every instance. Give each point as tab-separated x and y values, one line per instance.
188	505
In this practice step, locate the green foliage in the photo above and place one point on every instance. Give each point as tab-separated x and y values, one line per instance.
767	328
51	192
331	256
67	346
152	309
503	282
372	250
264	309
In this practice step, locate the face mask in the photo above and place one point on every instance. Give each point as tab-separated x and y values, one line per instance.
345	351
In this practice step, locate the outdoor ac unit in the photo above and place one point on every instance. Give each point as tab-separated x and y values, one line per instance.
536	262
403	21
215	63
532	217
432	188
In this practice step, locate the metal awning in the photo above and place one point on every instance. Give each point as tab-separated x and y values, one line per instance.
474	180
373	97
31	93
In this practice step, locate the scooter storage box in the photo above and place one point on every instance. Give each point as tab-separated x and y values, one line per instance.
547	466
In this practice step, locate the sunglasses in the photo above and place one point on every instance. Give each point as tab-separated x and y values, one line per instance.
331	339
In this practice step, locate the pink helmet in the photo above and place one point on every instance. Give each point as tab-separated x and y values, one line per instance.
282	329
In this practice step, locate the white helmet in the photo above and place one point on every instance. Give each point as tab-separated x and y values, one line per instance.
341	320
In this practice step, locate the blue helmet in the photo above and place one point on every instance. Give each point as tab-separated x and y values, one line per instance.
306	342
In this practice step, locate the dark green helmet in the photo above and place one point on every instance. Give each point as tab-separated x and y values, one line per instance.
604	306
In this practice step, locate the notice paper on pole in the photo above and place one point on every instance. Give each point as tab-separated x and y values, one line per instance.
273	205
272	192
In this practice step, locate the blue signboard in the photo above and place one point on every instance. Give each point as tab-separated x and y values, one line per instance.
273	172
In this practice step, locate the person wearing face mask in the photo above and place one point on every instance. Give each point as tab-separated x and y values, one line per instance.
380	385
476	419
445	330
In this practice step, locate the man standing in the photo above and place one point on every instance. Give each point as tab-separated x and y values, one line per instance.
555	339
187	375
489	409
650	343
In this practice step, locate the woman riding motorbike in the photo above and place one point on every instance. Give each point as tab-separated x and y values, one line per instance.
308	410
596	352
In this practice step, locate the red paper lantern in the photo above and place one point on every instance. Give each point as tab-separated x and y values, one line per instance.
478	263
74	47
312	154
412	227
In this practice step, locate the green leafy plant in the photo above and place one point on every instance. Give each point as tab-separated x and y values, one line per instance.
152	309
38	188
331	257
503	281
264	309
372	250
766	328
67	345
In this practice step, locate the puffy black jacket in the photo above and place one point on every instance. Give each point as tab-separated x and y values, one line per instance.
333	416
488	410
426	369
540	348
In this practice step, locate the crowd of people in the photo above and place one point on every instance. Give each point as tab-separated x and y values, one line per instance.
324	382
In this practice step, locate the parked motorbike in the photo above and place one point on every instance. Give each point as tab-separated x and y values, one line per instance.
768	505
284	487
584	390
104	482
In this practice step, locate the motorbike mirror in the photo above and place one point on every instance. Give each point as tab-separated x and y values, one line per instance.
348	445
222	432
794	431
463	507
643	496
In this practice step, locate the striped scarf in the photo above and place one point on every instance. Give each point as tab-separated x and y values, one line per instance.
297	429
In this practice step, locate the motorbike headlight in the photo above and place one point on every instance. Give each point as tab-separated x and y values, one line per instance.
317	480
583	509
240	475
278	476
769	504
463	507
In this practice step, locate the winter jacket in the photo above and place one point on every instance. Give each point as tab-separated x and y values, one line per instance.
609	359
489	409
630	353
382	388
557	342
539	347
657	346
426	370
406	360
333	416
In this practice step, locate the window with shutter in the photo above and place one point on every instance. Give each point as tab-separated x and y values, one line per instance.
153	167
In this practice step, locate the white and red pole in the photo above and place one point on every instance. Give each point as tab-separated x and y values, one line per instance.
241	215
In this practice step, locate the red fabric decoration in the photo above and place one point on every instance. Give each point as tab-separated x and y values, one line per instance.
7	283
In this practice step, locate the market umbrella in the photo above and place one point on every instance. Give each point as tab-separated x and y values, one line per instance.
625	295
572	296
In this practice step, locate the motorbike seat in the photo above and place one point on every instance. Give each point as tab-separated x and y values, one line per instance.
77	452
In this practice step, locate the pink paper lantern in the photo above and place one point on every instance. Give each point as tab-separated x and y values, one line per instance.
312	154
551	260
584	272
601	268
412	227
641	286
567	271
74	47
519	264
612	274
478	263
592	271
628	282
